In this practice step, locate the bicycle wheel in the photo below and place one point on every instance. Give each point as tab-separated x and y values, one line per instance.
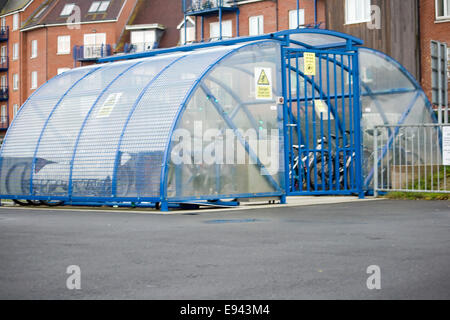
319	173
21	171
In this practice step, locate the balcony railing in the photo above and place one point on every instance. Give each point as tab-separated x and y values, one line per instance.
192	6
4	33
4	63
4	93
4	122
91	52
140	47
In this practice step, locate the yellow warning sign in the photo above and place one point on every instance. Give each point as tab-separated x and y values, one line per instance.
263	83
309	59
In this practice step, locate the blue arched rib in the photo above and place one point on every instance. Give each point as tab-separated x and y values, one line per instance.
130	114
69	193
33	165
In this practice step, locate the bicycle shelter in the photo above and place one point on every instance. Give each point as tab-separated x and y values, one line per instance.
150	128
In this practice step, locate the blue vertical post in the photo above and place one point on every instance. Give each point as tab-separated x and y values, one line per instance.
185	30
203	28
298	14
220	23
237	23
357	125
315	13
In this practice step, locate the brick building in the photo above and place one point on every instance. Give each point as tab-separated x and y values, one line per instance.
434	26
246	17
43	38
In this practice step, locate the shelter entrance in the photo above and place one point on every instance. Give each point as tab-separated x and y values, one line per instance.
322	122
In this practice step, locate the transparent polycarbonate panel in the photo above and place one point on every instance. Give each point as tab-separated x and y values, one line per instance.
317	39
392	109
148	131
20	144
59	139
99	169
379	73
207	158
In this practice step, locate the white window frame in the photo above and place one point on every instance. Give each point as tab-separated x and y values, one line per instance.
15	109
67	10
34	49
15	81
34	80
190	30
3	54
63	45
3	22
446	8
352	5
62	70
293	23
99	6
256	25
4	114
16	22
225	25
15	55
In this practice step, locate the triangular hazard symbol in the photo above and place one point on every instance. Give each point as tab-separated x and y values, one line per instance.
263	80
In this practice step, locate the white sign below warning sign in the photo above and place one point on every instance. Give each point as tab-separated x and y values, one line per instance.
263	83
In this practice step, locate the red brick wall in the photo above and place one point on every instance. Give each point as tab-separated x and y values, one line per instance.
430	30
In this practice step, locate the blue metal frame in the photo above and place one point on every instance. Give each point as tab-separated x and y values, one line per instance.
283	38
281	35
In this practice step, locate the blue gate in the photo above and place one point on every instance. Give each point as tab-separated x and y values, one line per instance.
322	122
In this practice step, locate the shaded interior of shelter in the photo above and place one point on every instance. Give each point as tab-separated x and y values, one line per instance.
111	131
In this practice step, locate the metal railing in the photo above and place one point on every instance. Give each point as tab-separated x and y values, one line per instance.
140	47
411	158
202	5
4	93
91	52
4	33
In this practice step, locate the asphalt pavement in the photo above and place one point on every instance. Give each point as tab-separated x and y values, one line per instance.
308	252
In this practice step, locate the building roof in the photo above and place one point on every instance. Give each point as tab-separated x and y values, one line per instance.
50	12
13	5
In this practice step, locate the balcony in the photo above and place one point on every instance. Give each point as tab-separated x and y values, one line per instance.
4	122
91	52
4	34
4	63
4	93
204	7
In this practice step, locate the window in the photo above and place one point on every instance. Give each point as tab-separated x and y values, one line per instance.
4	57
15	109
357	11
62	70
34	80
448	64
143	40
15	82
443	9
4	83
68	8
63	44
99	6
3	23
296	19
16	21
15	51
34	49
4	114
190	31
214	30
256	25
40	12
